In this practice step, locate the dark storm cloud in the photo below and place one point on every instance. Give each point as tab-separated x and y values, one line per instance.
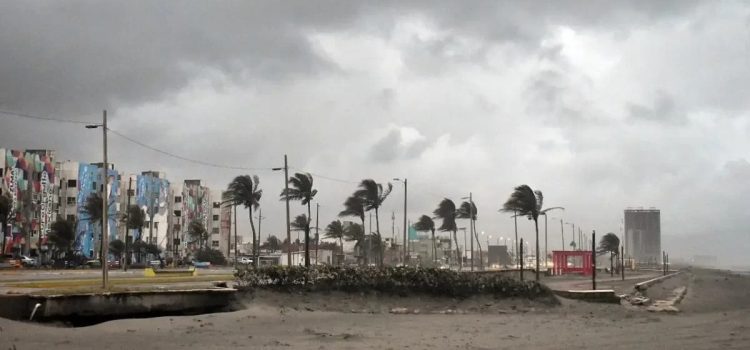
77	57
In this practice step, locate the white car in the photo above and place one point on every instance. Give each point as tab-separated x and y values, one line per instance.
245	260
27	261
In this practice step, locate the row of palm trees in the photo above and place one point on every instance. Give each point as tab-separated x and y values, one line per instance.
369	196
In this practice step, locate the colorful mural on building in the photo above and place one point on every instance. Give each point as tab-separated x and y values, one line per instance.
152	195
88	233
196	201
29	178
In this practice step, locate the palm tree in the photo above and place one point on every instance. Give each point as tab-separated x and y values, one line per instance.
135	218
93	208
527	202
609	244
446	211
355	233
5	209
62	235
243	190
354	206
273	243
117	248
425	224
335	230
373	195
468	210
302	190
197	232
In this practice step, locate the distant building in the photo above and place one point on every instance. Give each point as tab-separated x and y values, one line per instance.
643	235
498	256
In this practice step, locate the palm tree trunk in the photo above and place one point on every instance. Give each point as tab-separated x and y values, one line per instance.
536	226
377	229
364	236
434	247
341	242
252	226
307	237
479	245
458	251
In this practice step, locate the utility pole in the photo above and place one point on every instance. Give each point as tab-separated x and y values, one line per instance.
235	236
520	259
127	229
515	228
562	234
229	236
593	259
471	229
317	237
622	263
288	229
105	201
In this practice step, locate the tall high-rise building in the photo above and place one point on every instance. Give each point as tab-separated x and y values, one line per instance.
643	234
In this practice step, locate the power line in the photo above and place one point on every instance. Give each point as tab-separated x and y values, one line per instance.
36	117
194	161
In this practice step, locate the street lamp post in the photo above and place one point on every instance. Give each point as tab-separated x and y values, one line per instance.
288	229
406	189
105	202
574	229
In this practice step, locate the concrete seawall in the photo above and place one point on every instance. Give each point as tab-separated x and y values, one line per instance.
114	304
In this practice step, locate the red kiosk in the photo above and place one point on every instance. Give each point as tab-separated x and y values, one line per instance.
572	262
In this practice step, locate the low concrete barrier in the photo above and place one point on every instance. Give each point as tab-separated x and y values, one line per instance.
645	284
151	272
598	296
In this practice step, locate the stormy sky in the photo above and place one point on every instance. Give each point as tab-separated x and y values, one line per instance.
601	105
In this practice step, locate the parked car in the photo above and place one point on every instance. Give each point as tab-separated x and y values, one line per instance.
27	261
93	263
115	264
245	260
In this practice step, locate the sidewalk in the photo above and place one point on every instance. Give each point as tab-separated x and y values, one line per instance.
565	283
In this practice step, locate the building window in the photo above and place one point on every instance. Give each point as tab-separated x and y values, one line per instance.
217	205
178	213
71	200
178	199
215	230
72	183
216	218
214	243
71	218
2	171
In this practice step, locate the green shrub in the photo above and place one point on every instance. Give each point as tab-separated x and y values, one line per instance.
213	256
388	280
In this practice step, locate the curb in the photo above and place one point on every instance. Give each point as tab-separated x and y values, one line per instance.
596	296
644	285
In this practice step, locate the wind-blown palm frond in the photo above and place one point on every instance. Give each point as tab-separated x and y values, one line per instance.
135	217
609	243
467	211
424	224
524	202
301	188
243	191
93	207
446	211
354	206
335	230
300	223
372	193
354	232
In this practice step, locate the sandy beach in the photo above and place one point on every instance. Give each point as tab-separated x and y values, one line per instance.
715	314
